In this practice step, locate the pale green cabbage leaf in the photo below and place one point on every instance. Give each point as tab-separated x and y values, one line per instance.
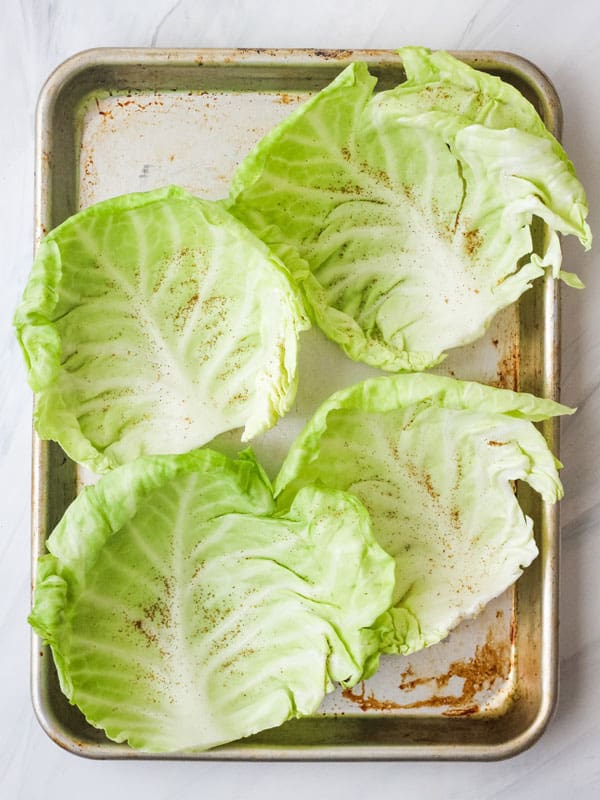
151	323
434	461
405	215
182	613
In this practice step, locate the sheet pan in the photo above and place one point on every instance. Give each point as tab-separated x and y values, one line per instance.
121	120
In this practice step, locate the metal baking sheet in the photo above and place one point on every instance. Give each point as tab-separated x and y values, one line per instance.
120	120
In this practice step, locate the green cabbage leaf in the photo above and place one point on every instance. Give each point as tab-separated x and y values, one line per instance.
406	215
183	613
151	323
433	459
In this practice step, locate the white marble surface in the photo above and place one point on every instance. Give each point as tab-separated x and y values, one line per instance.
562	38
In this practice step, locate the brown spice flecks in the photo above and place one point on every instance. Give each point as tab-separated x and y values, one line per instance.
167	585
472	241
459	471
150	637
429	486
183	313
493	443
423	479
437	92
409	192
158	612
379	175
240	397
242	654
412	470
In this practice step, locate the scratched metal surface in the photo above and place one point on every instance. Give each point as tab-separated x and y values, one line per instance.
116	121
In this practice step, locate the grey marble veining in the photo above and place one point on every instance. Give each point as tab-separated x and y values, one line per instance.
561	38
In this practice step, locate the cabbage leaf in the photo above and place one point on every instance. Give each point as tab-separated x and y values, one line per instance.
433	460
153	322
183	613
405	215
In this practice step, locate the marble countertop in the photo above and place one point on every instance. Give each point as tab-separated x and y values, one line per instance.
561	38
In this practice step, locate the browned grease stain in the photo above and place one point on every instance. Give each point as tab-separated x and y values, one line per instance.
285	99
89	172
492	661
333	55
104	114
455	517
368	702
88	165
326	54
507	374
139	106
151	638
